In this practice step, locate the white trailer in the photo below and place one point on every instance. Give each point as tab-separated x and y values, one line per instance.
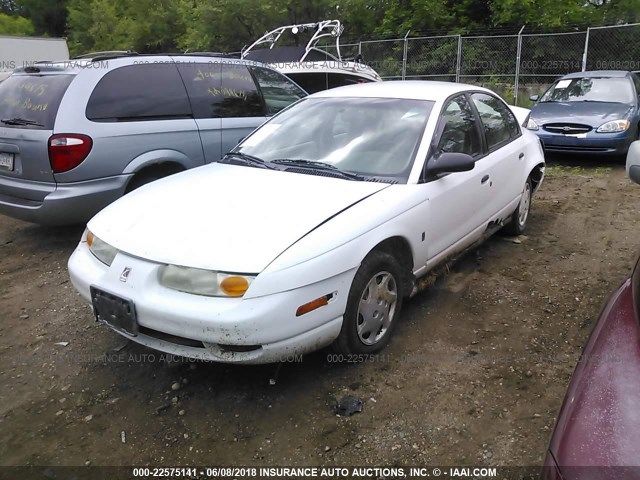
24	51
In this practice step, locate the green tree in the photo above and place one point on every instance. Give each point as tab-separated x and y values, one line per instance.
156	25
14	25
49	17
146	26
110	28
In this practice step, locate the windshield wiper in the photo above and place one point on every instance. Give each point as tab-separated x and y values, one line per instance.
598	101
250	160
20	121
318	166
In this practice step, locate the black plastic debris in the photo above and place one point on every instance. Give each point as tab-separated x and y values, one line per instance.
348	406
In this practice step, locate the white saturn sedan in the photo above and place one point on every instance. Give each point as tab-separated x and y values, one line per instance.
317	225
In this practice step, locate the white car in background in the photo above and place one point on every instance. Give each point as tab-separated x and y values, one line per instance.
313	230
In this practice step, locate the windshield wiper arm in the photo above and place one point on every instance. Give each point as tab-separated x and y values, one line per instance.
250	160
20	121
313	165
597	101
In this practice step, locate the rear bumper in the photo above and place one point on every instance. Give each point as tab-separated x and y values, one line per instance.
60	204
592	143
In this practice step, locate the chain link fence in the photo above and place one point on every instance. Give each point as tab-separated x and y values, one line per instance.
613	48
516	66
544	58
490	62
385	56
432	58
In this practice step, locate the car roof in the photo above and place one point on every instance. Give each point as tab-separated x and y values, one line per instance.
76	65
410	89
598	74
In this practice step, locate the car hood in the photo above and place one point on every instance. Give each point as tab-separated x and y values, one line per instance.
224	217
593	114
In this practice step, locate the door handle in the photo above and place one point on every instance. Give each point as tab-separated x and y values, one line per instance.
521	156
484	179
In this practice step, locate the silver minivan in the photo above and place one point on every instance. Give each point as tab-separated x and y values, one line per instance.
77	135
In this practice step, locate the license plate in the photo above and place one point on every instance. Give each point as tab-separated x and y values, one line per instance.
117	312
6	161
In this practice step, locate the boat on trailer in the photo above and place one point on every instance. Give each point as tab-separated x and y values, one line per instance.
311	66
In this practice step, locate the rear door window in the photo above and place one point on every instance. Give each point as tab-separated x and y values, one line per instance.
204	84
221	90
32	101
277	90
139	93
499	123
238	95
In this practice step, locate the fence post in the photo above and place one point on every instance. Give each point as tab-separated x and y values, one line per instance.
518	57
404	56
586	49
459	61
360	48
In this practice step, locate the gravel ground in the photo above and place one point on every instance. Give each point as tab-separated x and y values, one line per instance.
474	375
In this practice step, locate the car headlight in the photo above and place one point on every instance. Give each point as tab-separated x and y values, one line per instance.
614	126
531	124
204	282
100	249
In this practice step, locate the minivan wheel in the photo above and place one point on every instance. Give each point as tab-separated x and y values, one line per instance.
520	216
373	306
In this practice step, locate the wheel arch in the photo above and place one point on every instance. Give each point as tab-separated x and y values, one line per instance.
399	248
174	158
536	175
161	168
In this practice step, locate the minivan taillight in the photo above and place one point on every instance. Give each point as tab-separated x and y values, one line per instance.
68	150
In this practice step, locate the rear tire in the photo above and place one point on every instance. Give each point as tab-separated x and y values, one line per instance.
373	306
520	216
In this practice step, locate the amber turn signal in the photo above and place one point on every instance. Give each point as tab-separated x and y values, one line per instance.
312	305
234	286
90	238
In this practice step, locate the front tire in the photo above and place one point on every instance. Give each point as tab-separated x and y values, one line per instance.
520	216
373	306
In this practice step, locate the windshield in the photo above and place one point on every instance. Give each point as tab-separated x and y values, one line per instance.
617	90
31	100
372	137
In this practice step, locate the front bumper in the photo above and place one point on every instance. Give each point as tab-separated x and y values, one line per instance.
231	330
590	143
58	203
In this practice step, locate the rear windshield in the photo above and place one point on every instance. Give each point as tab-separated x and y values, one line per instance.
31	101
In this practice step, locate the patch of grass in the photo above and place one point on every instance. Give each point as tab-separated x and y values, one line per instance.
570	171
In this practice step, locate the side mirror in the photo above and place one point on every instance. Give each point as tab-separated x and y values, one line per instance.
633	161
449	163
534	98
